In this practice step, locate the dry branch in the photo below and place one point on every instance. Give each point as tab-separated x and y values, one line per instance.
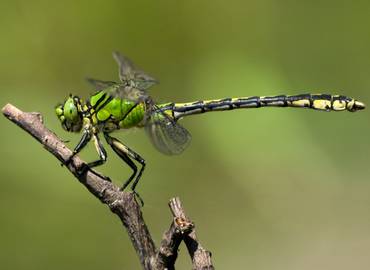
123	204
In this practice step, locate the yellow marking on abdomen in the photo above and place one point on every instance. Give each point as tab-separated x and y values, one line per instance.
301	103
339	105
321	104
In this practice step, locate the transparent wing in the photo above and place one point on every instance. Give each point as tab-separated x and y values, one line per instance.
166	135
100	85
131	75
143	81
129	92
125	66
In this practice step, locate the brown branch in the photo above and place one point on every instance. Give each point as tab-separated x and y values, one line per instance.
172	238
200	257
182	229
123	204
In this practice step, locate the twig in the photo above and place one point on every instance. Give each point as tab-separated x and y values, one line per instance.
123	204
200	257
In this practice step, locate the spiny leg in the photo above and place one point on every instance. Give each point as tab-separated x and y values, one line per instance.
126	154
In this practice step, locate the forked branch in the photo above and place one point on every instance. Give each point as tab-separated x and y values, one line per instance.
123	204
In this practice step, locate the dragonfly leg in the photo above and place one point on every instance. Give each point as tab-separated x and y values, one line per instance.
126	154
102	158
86	136
101	151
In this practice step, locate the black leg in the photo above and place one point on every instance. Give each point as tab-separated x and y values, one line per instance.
127	154
86	136
102	158
123	155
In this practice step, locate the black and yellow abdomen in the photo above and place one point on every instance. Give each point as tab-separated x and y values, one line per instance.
322	102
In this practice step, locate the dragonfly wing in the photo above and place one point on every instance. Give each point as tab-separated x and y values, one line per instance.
125	66
100	85
143	81
166	135
128	73
129	92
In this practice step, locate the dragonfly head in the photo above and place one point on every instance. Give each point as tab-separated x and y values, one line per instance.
70	114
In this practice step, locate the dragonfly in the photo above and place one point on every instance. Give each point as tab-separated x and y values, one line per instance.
127	104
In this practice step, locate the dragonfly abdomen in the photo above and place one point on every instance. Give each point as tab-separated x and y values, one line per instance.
322	102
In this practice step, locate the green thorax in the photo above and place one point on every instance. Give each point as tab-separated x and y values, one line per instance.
114	112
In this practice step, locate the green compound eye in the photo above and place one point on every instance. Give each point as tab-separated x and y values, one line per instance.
70	111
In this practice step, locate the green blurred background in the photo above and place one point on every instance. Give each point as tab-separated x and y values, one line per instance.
267	189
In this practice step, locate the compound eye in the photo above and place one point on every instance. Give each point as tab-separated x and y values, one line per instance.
70	111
